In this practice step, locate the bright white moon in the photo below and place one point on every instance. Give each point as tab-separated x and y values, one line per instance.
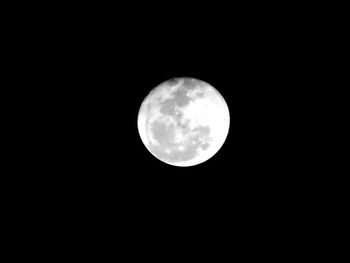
183	121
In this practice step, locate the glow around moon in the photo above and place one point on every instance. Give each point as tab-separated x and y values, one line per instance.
183	122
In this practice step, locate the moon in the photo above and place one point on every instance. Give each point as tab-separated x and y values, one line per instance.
183	121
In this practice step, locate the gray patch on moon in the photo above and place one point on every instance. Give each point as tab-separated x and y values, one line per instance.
190	83
174	155
161	132
172	82
180	99
169	152
205	146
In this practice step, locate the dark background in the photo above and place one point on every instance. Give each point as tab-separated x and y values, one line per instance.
90	70
103	70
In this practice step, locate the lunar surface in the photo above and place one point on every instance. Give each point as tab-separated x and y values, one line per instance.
183	121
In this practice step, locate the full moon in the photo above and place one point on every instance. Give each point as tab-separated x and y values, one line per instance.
183	121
